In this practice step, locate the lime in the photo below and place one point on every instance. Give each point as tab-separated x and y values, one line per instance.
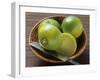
68	45
51	21
73	25
49	36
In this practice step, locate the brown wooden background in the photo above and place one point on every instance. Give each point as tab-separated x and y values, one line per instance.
31	20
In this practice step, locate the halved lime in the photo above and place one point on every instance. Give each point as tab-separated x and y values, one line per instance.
68	46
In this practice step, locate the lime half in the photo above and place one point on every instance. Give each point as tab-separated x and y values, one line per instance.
68	46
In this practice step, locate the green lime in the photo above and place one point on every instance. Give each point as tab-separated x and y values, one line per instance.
50	21
68	46
49	36
73	25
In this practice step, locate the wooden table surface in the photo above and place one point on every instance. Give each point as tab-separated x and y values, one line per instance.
31	59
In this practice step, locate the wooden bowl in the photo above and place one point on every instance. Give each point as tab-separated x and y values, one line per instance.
81	42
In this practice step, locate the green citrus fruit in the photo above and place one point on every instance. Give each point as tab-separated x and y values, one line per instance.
51	21
49	36
73	25
68	45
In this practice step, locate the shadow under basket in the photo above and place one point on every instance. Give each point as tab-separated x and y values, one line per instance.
33	36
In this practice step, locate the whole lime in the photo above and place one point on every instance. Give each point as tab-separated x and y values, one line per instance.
68	45
73	25
49	36
51	21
